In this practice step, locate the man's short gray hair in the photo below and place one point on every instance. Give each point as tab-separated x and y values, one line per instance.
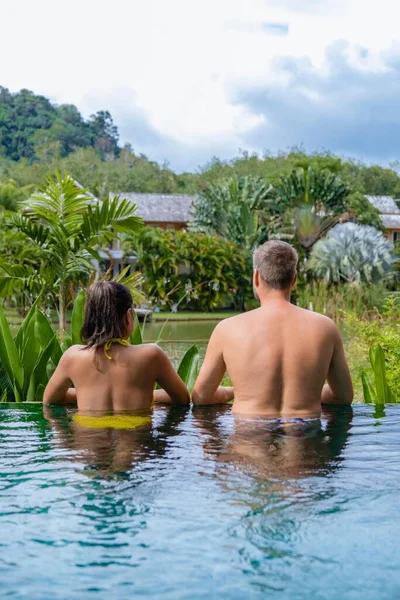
276	262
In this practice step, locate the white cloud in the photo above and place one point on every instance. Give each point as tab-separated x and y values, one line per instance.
167	68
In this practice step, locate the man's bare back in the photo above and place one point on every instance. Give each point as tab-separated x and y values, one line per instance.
126	382
278	358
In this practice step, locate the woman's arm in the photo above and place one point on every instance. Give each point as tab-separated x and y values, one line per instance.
59	390
174	390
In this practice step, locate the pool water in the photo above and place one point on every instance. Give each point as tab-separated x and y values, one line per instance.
197	504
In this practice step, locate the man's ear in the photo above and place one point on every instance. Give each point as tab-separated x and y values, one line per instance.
256	278
294	282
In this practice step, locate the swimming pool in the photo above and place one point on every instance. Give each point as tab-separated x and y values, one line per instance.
198	505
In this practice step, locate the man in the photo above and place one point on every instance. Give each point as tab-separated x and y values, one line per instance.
278	356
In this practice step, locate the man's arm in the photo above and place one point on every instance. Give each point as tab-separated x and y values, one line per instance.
59	390
339	388
207	389
174	390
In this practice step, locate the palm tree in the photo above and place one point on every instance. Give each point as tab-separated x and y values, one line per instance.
313	187
313	202
231	209
69	225
11	194
352	253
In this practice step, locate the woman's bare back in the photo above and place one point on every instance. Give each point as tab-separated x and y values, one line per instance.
125	381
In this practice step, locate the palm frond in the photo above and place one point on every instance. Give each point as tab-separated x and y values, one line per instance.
133	282
32	229
60	203
18	277
112	214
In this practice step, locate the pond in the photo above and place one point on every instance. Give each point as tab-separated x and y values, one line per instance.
179	331
175	337
199	505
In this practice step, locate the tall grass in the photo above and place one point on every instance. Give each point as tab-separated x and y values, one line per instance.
335	300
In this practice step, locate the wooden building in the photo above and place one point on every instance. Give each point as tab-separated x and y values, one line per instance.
168	211
390	215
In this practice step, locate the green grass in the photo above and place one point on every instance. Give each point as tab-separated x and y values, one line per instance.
192	316
15	318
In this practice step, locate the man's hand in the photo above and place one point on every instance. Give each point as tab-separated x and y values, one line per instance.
339	389
207	389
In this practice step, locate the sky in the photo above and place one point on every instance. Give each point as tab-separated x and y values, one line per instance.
188	80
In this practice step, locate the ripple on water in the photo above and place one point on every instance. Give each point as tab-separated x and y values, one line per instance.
196	506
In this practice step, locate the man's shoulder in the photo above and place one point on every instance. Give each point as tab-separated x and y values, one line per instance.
230	322
317	319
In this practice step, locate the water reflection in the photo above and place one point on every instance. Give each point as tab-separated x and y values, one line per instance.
258	450
278	481
113	450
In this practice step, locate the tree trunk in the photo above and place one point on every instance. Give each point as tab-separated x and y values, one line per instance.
61	315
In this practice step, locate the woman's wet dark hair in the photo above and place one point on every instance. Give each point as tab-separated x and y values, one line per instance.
105	313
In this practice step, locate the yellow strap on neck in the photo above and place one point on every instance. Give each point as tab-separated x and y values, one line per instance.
109	343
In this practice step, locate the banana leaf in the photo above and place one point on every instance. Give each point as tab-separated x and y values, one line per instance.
9	356
51	366
372	356
368	390
43	330
6	388
30	353
189	367
45	334
78	313
383	392
39	375
40	392
66	342
136	337
21	331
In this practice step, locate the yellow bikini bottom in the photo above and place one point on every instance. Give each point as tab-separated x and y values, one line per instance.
112	421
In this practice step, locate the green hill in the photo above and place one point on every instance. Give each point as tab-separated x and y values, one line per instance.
31	126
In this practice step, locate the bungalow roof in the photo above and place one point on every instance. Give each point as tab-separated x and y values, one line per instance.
162	208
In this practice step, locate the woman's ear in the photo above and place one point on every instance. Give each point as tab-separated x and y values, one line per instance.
130	321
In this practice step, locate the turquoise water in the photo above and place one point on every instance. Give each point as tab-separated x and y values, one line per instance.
199	505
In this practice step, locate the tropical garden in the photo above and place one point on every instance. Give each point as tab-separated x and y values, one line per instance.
54	233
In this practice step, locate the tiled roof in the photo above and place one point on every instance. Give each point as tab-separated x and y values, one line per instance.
391	221
167	208
385	204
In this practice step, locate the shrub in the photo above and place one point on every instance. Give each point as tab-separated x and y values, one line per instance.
28	360
363	335
336	300
189	270
352	253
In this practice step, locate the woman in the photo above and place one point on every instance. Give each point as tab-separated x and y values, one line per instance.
107	373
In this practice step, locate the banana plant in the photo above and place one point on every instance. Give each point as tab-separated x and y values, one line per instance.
68	225
189	367
27	360
380	393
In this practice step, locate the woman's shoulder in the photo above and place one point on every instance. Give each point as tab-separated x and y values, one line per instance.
147	349
72	350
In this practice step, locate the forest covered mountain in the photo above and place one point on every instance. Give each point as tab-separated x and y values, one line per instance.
38	138
31	125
